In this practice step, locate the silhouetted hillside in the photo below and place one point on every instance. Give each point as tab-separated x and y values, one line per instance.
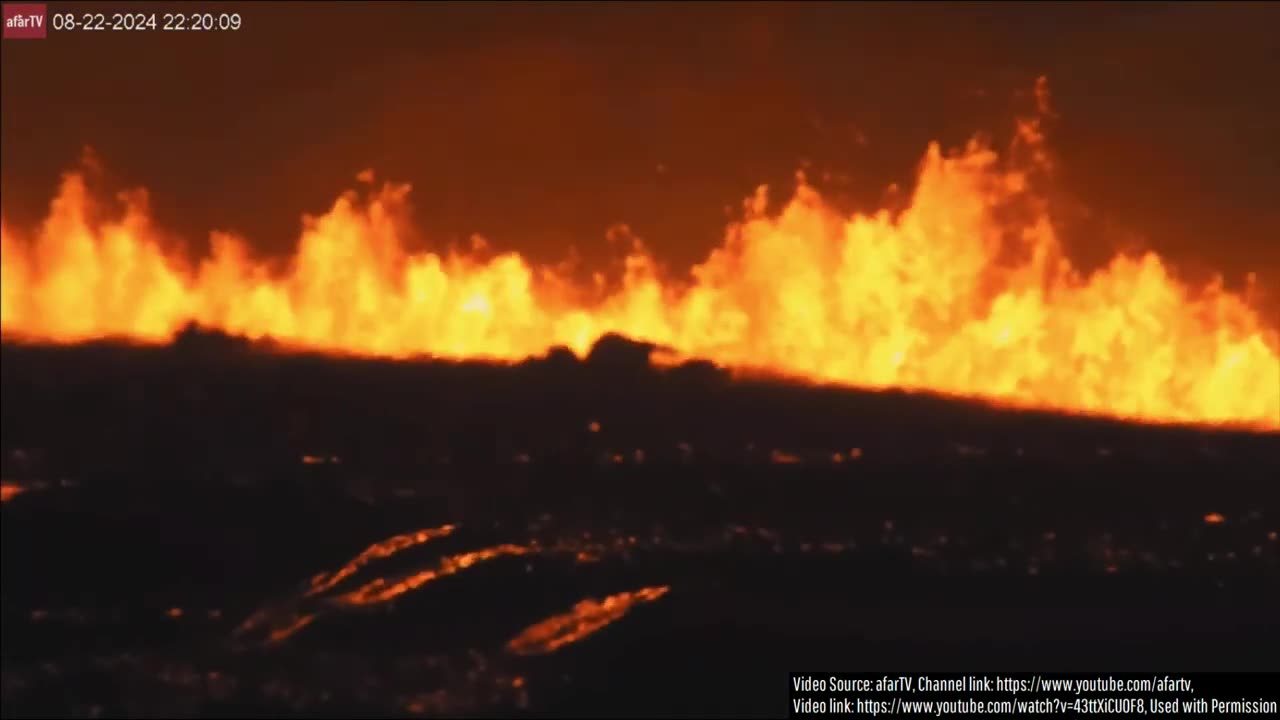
207	398
166	497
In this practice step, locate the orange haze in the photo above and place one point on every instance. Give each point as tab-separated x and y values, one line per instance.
966	291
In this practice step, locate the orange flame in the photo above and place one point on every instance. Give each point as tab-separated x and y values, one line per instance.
936	298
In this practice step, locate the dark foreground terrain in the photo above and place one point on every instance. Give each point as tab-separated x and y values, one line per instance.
212	529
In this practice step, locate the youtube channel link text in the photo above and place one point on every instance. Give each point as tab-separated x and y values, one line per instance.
1024	694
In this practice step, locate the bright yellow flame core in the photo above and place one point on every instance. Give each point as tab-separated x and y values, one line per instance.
945	296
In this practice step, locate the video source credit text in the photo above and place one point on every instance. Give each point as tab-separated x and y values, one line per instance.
1009	694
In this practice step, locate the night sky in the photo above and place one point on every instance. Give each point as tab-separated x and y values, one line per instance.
540	125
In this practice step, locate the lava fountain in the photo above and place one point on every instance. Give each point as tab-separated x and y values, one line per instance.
950	295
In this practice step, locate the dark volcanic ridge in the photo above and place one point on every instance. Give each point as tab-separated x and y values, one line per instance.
168	497
215	390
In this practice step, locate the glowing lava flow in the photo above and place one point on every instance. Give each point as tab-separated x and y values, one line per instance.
324	582
9	491
585	618
937	297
